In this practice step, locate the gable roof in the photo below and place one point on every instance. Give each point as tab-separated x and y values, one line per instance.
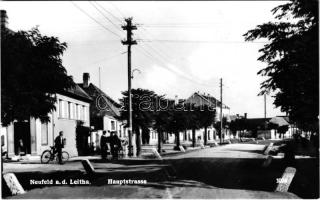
107	105
77	93
209	99
280	121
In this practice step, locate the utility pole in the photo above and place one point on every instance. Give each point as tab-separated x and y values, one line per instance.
129	27
221	110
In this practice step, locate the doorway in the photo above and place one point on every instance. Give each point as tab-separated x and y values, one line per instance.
22	138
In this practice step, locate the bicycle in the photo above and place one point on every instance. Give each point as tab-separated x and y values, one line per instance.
52	154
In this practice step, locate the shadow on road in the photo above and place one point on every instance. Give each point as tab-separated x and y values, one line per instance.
248	173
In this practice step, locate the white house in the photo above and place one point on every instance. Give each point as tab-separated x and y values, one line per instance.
104	113
72	105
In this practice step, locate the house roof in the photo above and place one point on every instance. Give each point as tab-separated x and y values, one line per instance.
232	117
210	99
280	121
77	92
107	106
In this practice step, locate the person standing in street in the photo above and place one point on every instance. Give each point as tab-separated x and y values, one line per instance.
115	144
59	144
103	145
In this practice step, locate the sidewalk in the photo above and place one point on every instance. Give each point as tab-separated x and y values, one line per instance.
169	151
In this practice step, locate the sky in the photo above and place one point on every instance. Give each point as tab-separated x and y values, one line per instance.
183	47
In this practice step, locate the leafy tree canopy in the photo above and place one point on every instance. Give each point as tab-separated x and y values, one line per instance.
292	60
32	72
143	107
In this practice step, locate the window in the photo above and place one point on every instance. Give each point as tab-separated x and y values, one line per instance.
60	108
69	110
85	112
82	113
72	110
66	109
113	125
44	133
76	111
209	138
79	112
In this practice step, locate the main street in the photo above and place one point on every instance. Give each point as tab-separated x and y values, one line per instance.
229	171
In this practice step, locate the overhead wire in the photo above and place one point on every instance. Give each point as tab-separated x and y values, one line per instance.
119	11
88	15
163	65
116	26
150	56
110	13
200	41
166	60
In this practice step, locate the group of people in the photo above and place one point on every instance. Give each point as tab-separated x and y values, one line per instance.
113	141
114	144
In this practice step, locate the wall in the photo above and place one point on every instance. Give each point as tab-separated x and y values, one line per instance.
10	139
153	137
56	124
3	131
67	125
107	120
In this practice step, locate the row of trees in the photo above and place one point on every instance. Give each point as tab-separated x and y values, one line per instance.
150	110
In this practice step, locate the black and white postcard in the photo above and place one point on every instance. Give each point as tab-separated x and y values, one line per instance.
160	99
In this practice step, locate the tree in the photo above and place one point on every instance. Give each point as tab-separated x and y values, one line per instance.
234	126
178	121
217	126
161	122
32	73
282	130
192	120
292	55
143	107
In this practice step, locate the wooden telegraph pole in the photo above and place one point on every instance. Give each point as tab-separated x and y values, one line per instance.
129	27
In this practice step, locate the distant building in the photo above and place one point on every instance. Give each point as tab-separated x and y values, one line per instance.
104	112
266	127
199	99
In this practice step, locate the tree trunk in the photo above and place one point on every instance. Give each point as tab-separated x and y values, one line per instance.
205	136
138	141
193	137
177	139
159	142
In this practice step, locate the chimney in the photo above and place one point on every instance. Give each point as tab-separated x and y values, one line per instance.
86	79
237	116
245	115
4	19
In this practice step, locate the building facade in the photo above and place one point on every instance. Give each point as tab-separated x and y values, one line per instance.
199	100
104	113
32	137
